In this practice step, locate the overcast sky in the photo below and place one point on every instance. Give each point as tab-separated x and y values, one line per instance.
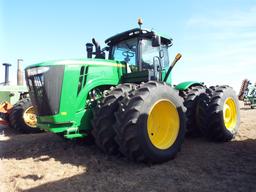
216	38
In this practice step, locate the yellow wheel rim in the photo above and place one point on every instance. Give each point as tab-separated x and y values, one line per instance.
163	124
29	117
230	114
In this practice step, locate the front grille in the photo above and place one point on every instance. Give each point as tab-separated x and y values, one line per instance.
45	89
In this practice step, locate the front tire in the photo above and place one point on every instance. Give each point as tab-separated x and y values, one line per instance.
104	119
151	123
22	117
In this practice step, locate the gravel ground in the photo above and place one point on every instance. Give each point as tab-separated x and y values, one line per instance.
44	162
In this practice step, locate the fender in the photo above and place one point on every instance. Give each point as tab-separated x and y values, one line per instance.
185	85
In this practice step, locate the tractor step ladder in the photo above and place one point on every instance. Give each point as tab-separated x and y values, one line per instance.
73	133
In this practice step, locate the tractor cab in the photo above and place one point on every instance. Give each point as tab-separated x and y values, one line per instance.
143	52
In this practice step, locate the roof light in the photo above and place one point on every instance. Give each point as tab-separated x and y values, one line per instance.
140	22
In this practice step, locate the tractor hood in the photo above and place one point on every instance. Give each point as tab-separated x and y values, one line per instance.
59	89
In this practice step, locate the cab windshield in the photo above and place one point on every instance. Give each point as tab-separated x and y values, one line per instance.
126	51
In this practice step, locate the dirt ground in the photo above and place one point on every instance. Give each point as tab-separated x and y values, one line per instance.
44	162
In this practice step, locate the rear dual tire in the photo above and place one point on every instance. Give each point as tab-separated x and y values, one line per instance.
192	96
219	114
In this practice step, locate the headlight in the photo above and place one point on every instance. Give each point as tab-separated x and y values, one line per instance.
37	70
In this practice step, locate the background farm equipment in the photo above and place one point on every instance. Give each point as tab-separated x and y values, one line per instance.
127	102
16	109
247	93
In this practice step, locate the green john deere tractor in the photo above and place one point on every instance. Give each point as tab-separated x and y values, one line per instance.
127	102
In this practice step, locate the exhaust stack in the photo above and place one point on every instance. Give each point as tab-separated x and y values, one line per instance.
6	76
19	72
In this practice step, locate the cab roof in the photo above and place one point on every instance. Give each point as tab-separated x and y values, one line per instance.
136	32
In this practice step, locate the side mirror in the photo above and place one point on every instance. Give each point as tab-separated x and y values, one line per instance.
89	49
156	41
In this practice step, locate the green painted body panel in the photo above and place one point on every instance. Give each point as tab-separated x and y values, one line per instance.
75	110
185	85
